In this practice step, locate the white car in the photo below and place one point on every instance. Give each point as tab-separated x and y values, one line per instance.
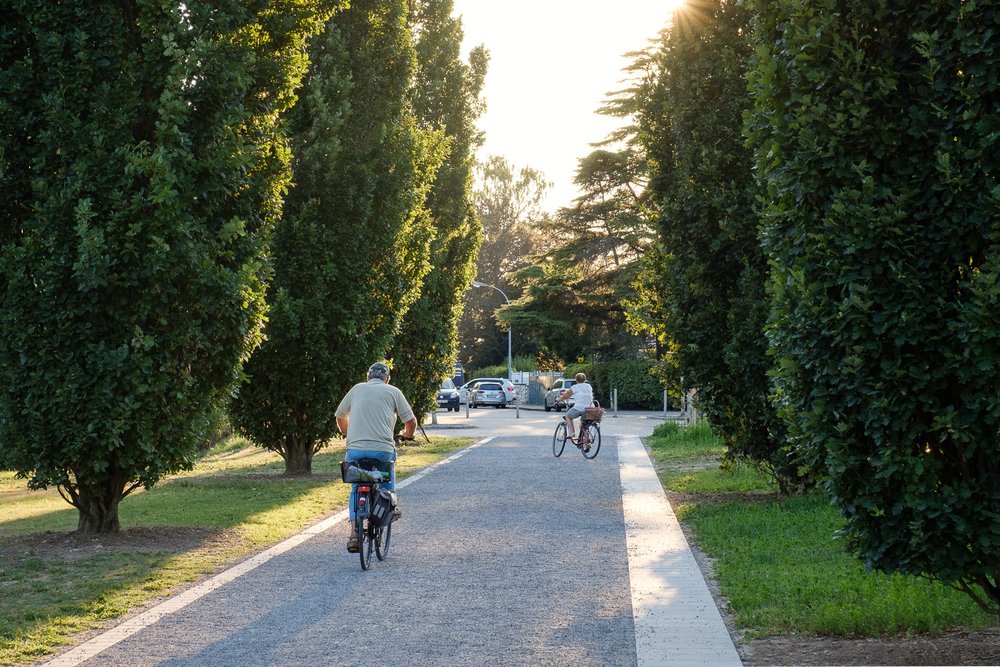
508	388
552	395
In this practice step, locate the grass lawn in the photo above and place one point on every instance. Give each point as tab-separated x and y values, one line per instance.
779	562
235	502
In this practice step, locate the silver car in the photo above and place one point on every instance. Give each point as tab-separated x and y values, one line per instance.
552	395
508	388
487	393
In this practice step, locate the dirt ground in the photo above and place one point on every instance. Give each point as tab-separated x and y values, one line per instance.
955	648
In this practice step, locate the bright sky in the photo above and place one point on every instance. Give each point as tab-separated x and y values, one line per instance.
551	64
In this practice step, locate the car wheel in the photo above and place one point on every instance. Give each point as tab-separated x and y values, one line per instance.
548	408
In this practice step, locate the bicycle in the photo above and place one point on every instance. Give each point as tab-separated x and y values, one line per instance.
589	439
373	512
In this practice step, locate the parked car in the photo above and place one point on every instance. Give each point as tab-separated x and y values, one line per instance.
487	393
448	396
552	395
508	388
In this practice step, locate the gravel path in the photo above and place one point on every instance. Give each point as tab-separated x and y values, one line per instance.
504	556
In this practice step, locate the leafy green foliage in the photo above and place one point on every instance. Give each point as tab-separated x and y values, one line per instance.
876	132
446	97
637	387
572	300
141	168
351	249
507	201
711	270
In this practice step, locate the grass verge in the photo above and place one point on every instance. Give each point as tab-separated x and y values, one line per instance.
778	561
235	502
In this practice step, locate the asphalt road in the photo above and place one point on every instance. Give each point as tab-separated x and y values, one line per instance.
504	556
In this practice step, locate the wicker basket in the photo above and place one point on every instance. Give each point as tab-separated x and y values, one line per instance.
593	414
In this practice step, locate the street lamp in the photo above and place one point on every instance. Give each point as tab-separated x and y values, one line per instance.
510	359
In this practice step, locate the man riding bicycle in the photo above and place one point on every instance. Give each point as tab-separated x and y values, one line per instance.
370	410
583	395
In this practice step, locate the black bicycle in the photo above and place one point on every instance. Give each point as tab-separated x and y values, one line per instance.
373	510
588	440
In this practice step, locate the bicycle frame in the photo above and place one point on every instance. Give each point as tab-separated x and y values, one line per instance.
370	537
589	440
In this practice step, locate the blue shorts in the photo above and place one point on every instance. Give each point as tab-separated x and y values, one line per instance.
574	412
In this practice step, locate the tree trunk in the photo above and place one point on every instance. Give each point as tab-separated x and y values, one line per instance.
97	502
298	456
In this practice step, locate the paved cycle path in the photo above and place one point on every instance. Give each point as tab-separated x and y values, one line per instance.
505	555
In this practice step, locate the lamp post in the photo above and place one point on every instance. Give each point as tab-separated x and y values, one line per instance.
510	359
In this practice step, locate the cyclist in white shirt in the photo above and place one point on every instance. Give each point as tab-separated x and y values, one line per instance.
583	395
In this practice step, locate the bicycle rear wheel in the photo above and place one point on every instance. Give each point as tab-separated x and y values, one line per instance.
382	536
593	431
559	439
365	542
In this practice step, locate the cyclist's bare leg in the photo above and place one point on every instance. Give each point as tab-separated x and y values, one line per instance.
569	426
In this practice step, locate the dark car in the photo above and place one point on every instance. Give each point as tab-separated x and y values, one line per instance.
552	395
487	393
448	396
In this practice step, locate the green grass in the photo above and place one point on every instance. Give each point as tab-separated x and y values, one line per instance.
778	561
235	502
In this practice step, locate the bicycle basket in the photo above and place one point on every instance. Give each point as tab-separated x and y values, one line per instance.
593	414
365	470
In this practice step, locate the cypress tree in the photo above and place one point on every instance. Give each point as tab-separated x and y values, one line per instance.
445	97
141	169
351	249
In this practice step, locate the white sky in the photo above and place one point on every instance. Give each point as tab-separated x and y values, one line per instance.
551	64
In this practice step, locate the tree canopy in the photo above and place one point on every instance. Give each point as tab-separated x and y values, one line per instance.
351	250
141	168
712	271
446	96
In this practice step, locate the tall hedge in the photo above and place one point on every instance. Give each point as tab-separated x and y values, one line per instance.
141	167
877	129
352	247
712	269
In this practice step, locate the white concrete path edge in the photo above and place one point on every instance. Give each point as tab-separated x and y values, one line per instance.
676	620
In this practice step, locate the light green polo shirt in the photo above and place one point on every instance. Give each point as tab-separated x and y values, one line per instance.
371	409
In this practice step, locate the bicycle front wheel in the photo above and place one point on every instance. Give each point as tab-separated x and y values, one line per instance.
382	537
365	542
593	439
559	439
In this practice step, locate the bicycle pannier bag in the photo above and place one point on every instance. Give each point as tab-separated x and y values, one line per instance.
382	510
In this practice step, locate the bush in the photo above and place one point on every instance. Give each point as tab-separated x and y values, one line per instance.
637	388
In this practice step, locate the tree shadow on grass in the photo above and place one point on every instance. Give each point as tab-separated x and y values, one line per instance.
55	583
